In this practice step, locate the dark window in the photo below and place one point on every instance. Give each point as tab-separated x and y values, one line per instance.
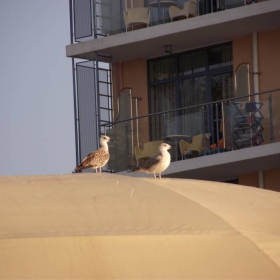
188	79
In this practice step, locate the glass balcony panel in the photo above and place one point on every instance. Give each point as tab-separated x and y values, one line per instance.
159	10
229	4
111	13
244	124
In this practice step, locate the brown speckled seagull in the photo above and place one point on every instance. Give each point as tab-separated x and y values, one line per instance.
157	163
98	158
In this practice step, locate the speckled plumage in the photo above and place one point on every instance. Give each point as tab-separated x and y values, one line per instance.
157	163
98	158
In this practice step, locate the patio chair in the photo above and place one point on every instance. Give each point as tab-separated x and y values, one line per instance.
136	16
189	10
150	149
195	147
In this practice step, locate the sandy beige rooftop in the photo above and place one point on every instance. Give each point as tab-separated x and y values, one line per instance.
108	226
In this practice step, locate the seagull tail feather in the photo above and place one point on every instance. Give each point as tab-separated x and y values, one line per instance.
78	168
135	169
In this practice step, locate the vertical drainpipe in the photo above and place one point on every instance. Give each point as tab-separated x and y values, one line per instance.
256	89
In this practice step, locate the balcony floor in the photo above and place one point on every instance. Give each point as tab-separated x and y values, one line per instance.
224	166
183	35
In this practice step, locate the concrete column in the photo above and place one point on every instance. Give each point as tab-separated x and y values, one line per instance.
261	179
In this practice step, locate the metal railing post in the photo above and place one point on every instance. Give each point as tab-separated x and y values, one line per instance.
223	126
217	129
231	117
164	127
127	145
271	119
203	129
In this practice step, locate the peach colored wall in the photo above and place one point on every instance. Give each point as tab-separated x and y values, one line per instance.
249	180
271	179
269	57
269	61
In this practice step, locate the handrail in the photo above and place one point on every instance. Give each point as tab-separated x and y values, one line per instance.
191	107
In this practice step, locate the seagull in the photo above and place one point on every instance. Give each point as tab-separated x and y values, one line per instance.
157	163
98	158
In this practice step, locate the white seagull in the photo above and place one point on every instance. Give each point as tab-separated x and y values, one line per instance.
98	158
157	163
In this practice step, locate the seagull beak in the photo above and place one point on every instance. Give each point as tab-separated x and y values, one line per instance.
112	140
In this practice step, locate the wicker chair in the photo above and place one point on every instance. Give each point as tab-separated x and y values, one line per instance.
150	149
189	10
195	147
136	16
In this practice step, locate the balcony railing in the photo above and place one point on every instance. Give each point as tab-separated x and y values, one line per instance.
206	129
98	18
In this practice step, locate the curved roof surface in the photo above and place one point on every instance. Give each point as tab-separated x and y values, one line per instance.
107	226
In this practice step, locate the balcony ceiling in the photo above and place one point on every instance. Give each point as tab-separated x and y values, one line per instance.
183	35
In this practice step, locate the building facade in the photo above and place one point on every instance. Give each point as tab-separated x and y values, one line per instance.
149	71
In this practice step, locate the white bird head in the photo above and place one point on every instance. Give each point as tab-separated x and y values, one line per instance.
104	140
163	147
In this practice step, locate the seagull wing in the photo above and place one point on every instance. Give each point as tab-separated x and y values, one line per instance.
150	162
95	158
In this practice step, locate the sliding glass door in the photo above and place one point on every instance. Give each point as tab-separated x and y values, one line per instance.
189	79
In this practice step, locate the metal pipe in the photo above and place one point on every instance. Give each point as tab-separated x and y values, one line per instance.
261	179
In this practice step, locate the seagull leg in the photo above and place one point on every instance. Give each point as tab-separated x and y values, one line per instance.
155	176
159	175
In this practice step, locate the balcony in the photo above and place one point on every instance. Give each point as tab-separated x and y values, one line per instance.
236	136
107	33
